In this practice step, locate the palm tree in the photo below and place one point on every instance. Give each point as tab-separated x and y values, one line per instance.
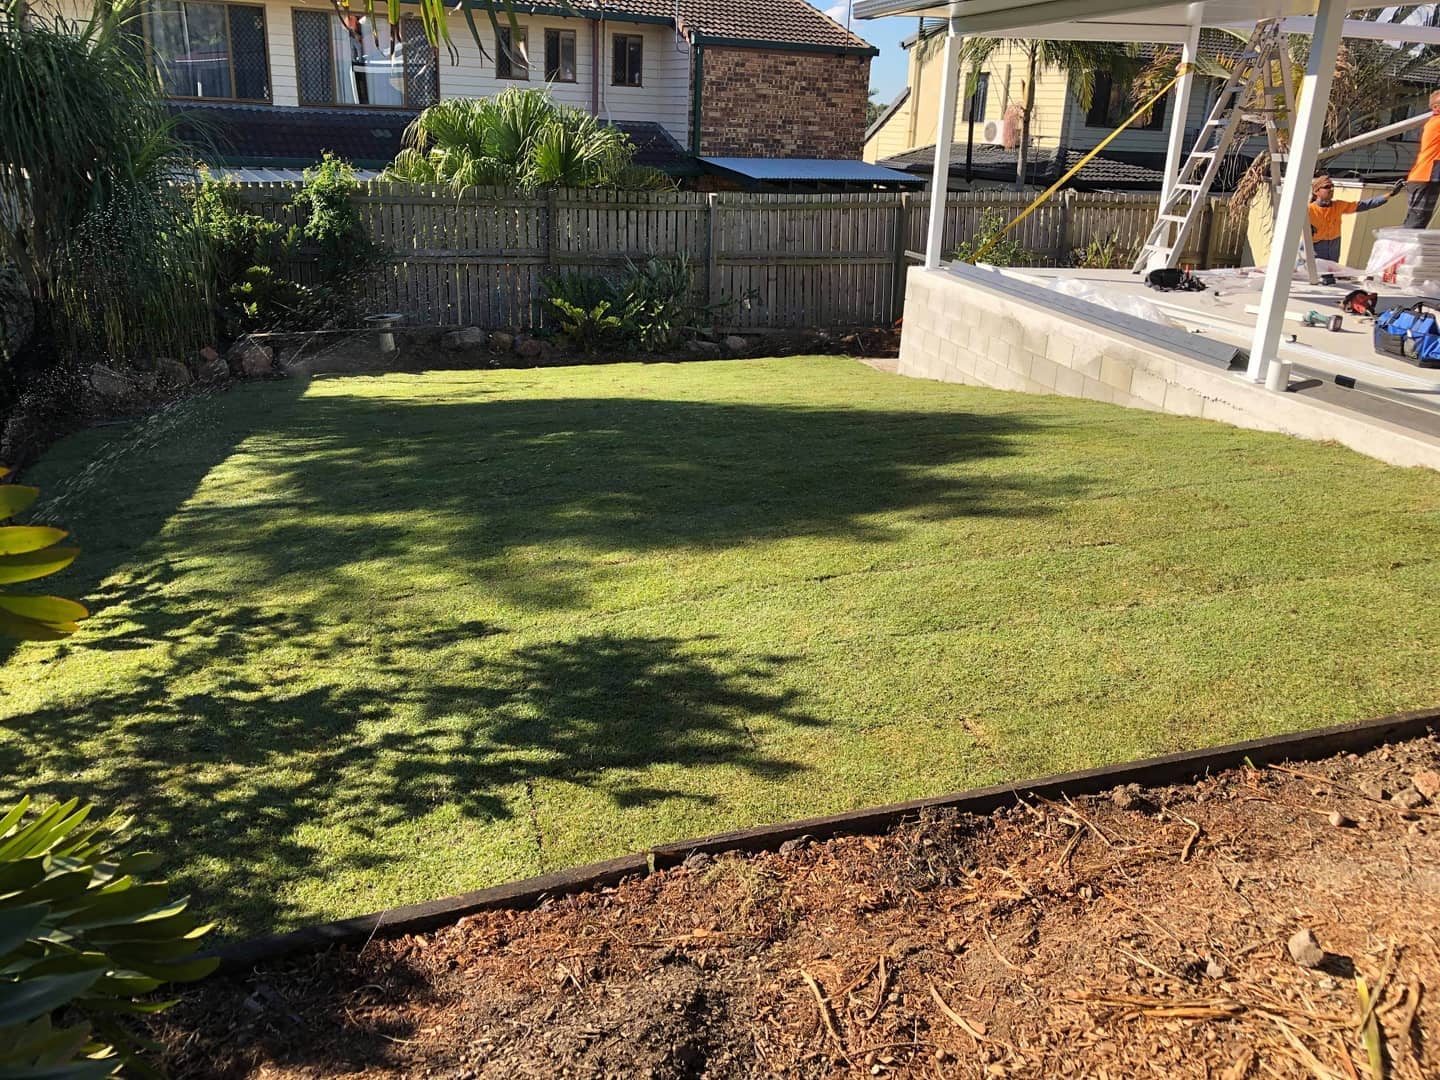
520	139
1078	60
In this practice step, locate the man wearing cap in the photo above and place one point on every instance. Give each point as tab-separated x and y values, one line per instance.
1326	212
1424	177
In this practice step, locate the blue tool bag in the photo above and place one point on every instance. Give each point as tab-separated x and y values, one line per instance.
1411	333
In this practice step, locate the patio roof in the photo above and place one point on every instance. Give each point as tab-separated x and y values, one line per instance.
1096	20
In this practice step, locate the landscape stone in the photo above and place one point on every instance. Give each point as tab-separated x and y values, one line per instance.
1409	799
1214	969
705	348
17	314
109	383
1427	782
472	337
1372	790
251	359
211	369
529	348
173	372
1305	950
736	344
502	342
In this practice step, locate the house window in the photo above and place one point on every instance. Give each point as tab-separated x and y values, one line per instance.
1404	112
559	55
512	53
975	103
1111	104
205	50
629	59
354	60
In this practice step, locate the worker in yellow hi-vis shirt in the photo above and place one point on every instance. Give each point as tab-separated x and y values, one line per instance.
1326	212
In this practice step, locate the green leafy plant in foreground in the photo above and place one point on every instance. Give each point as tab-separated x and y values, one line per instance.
27	553
82	935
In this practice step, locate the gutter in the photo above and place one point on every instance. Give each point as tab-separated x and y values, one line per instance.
784	46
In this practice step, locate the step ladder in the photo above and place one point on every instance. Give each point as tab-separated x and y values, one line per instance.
1259	92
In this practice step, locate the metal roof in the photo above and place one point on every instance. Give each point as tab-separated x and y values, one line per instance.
819	170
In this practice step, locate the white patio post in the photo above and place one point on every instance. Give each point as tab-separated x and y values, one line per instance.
944	139
1176	148
1292	215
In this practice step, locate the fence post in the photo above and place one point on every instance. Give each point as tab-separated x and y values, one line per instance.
1067	245
902	237
1207	234
712	253
552	236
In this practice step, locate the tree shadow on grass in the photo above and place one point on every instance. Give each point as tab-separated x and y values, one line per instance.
254	728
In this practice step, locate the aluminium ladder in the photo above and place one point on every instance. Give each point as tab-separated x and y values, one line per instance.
1259	91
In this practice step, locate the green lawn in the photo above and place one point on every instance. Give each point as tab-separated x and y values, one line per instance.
380	640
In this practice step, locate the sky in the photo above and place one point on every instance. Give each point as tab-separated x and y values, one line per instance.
888	70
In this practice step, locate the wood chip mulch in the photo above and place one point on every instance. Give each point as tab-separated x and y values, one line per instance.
1144	933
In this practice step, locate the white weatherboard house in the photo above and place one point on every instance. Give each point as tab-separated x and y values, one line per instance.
273	82
979	325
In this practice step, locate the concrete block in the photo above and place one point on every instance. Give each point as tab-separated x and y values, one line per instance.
1089	357
1045	372
1115	373
1012	332
1182	401
1060	349
1069	382
1148	388
1096	390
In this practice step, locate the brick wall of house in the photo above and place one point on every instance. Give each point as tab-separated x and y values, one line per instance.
768	103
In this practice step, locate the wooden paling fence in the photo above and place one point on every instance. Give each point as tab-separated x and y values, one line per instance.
777	262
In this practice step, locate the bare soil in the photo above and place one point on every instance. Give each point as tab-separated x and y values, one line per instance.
1143	933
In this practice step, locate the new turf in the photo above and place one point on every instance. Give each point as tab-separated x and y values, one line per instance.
383	639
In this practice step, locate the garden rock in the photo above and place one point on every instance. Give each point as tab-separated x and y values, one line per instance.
17	314
109	383
472	337
1305	950
250	359
502	342
705	348
211	369
736	344
1427	782
1409	799
529	348
1373	790
173	373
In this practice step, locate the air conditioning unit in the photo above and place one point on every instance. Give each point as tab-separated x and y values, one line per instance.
991	133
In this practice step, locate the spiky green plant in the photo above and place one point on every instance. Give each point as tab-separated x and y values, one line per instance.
519	139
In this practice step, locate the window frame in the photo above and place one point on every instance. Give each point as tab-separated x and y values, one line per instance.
404	107
506	53
980	97
615	40
1103	79
225	6
560	34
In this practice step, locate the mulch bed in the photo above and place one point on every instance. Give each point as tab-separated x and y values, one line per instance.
1144	933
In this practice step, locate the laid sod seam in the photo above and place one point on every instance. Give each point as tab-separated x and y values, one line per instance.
242	956
364	642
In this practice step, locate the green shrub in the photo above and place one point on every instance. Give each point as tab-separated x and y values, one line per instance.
589	328
251	257
1006	250
658	298
1105	253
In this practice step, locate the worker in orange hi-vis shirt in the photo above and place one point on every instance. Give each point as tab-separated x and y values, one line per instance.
1424	179
1326	212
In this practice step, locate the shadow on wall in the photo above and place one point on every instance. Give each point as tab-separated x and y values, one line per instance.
292	681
